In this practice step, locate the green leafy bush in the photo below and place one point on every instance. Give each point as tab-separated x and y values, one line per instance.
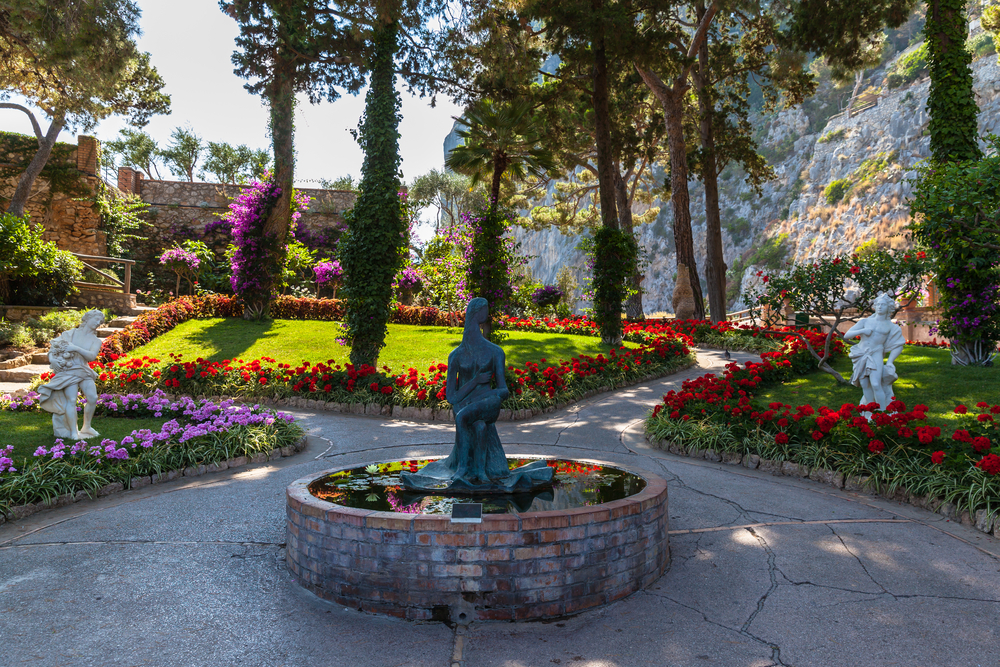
832	135
908	68
980	45
52	286
834	192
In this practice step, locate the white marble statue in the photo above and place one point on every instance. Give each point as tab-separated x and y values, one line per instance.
69	355
878	337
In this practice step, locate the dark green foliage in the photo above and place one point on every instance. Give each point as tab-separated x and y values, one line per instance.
738	228
981	45
121	218
841	29
955	216
834	192
489	263
614	254
372	250
951	102
908	68
50	287
33	271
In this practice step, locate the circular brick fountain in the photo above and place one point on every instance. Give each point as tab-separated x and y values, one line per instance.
509	567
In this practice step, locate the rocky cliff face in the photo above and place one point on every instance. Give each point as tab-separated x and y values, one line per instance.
868	159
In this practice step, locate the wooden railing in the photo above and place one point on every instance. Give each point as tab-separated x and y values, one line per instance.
125	285
740	317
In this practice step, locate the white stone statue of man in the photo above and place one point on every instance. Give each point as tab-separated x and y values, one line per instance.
69	356
878	337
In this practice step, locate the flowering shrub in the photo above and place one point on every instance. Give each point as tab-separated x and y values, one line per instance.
328	271
255	261
548	295
196	432
183	263
178	259
954	214
837	289
407	284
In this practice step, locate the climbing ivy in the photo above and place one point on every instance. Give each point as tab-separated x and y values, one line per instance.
489	261
16	152
372	250
614	253
951	102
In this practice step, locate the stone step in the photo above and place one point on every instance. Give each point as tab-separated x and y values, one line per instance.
104	332
13	388
139	310
40	358
24	373
120	322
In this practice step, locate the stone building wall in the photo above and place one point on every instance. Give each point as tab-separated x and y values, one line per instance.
175	206
72	222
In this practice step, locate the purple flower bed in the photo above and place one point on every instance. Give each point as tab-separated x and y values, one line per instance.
197	432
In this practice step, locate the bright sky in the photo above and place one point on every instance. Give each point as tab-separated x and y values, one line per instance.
191	42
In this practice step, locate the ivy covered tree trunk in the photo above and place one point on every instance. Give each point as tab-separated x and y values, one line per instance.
45	144
371	251
608	292
633	303
951	102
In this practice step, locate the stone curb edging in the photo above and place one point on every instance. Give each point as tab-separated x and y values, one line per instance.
23	511
982	522
414	413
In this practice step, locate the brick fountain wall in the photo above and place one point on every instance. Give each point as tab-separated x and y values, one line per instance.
510	567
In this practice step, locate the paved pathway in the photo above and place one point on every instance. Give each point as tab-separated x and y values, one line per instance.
766	570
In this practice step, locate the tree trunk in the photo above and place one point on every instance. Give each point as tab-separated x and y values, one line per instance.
282	141
633	305
859	76
611	329
498	169
672	101
715	265
20	197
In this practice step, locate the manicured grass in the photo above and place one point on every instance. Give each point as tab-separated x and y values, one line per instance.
925	376
28	430
295	341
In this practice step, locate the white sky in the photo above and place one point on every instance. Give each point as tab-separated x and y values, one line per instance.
191	42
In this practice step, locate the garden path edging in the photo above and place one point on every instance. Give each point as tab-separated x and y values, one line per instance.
982	522
23	511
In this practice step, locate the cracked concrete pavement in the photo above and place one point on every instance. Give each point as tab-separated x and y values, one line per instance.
765	570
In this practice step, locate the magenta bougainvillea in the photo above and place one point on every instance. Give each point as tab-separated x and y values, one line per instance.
257	259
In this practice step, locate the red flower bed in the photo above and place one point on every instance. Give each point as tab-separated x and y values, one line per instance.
534	385
729	398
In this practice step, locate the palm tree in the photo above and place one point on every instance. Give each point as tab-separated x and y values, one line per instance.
500	138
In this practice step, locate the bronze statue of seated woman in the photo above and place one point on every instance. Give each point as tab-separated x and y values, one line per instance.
477	463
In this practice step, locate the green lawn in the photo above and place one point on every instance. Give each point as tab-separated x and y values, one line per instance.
27	430
925	376
295	341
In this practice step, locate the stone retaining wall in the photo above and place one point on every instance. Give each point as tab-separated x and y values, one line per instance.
510	567
72	222
177	205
